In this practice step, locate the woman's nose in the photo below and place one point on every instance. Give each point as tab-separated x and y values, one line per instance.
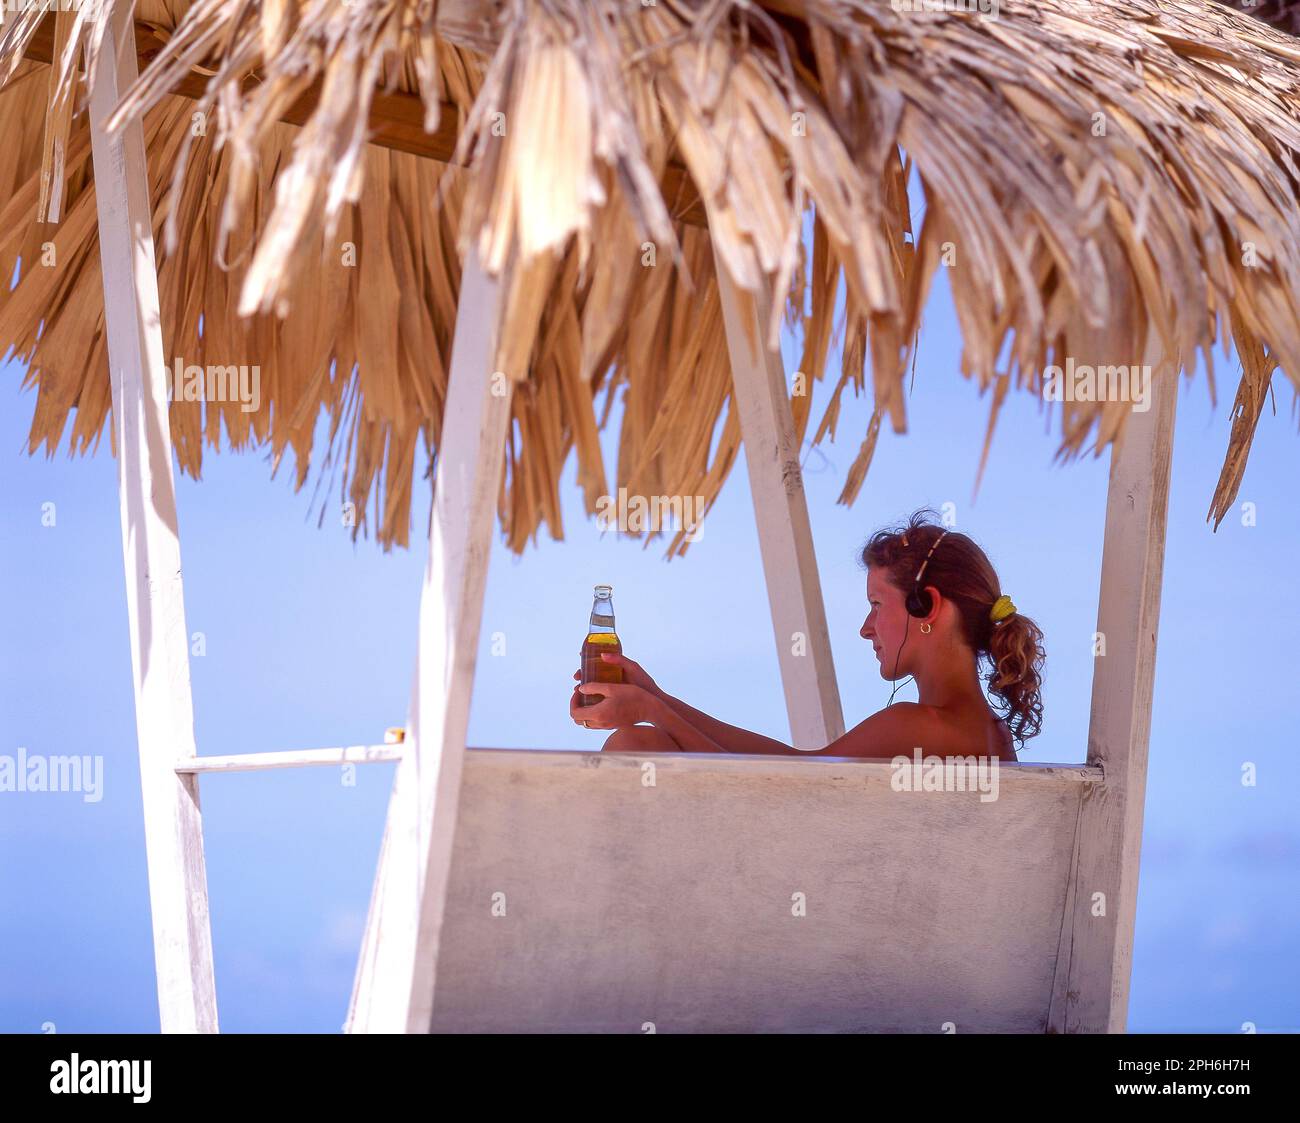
865	630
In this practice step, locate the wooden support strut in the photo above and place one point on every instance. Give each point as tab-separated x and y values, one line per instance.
394	987
164	710
1095	959
781	511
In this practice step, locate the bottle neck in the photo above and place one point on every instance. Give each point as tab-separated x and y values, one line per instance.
602	616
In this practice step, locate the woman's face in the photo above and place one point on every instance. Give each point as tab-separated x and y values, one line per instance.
886	624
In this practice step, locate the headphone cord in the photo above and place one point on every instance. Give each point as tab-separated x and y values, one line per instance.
907	627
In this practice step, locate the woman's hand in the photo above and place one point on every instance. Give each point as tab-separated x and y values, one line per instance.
622	704
633	673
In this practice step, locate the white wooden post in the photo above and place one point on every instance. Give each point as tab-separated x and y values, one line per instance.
395	976
164	714
1095	962
794	588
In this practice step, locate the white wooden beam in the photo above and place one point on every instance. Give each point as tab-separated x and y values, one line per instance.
794	589
394	985
362	1007
164	714
293	758
1095	961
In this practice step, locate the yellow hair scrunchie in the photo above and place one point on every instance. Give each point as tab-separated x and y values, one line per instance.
1003	607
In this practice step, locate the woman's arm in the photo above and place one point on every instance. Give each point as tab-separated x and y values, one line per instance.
689	737
884	735
674	714
880	737
693	729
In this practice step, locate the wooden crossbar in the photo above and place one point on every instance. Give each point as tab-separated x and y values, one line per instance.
291	758
396	119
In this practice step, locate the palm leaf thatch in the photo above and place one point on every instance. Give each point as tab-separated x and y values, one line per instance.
1092	173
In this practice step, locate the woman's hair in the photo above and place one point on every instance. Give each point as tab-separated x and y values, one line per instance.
962	572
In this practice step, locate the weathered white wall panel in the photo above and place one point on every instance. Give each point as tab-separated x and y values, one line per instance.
671	904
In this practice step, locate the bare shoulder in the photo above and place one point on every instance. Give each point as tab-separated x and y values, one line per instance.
906	726
896	730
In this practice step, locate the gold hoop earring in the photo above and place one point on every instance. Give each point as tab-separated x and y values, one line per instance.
925	628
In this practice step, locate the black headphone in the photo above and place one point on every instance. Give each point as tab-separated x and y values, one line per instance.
918	602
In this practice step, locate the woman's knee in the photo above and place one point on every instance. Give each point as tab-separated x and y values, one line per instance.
638	738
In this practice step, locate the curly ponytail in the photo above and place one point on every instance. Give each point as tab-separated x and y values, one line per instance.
962	572
1015	652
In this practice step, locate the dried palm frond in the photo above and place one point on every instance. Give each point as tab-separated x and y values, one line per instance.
1092	172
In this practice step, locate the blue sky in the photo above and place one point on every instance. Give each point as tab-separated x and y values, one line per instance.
310	640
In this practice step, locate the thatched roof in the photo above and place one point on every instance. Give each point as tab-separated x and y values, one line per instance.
1097	168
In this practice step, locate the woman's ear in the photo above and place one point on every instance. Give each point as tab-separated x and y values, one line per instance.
936	603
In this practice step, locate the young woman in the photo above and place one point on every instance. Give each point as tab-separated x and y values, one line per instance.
936	610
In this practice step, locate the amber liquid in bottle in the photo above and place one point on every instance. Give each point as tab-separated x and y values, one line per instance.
601	637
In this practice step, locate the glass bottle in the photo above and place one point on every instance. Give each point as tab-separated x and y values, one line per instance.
601	637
